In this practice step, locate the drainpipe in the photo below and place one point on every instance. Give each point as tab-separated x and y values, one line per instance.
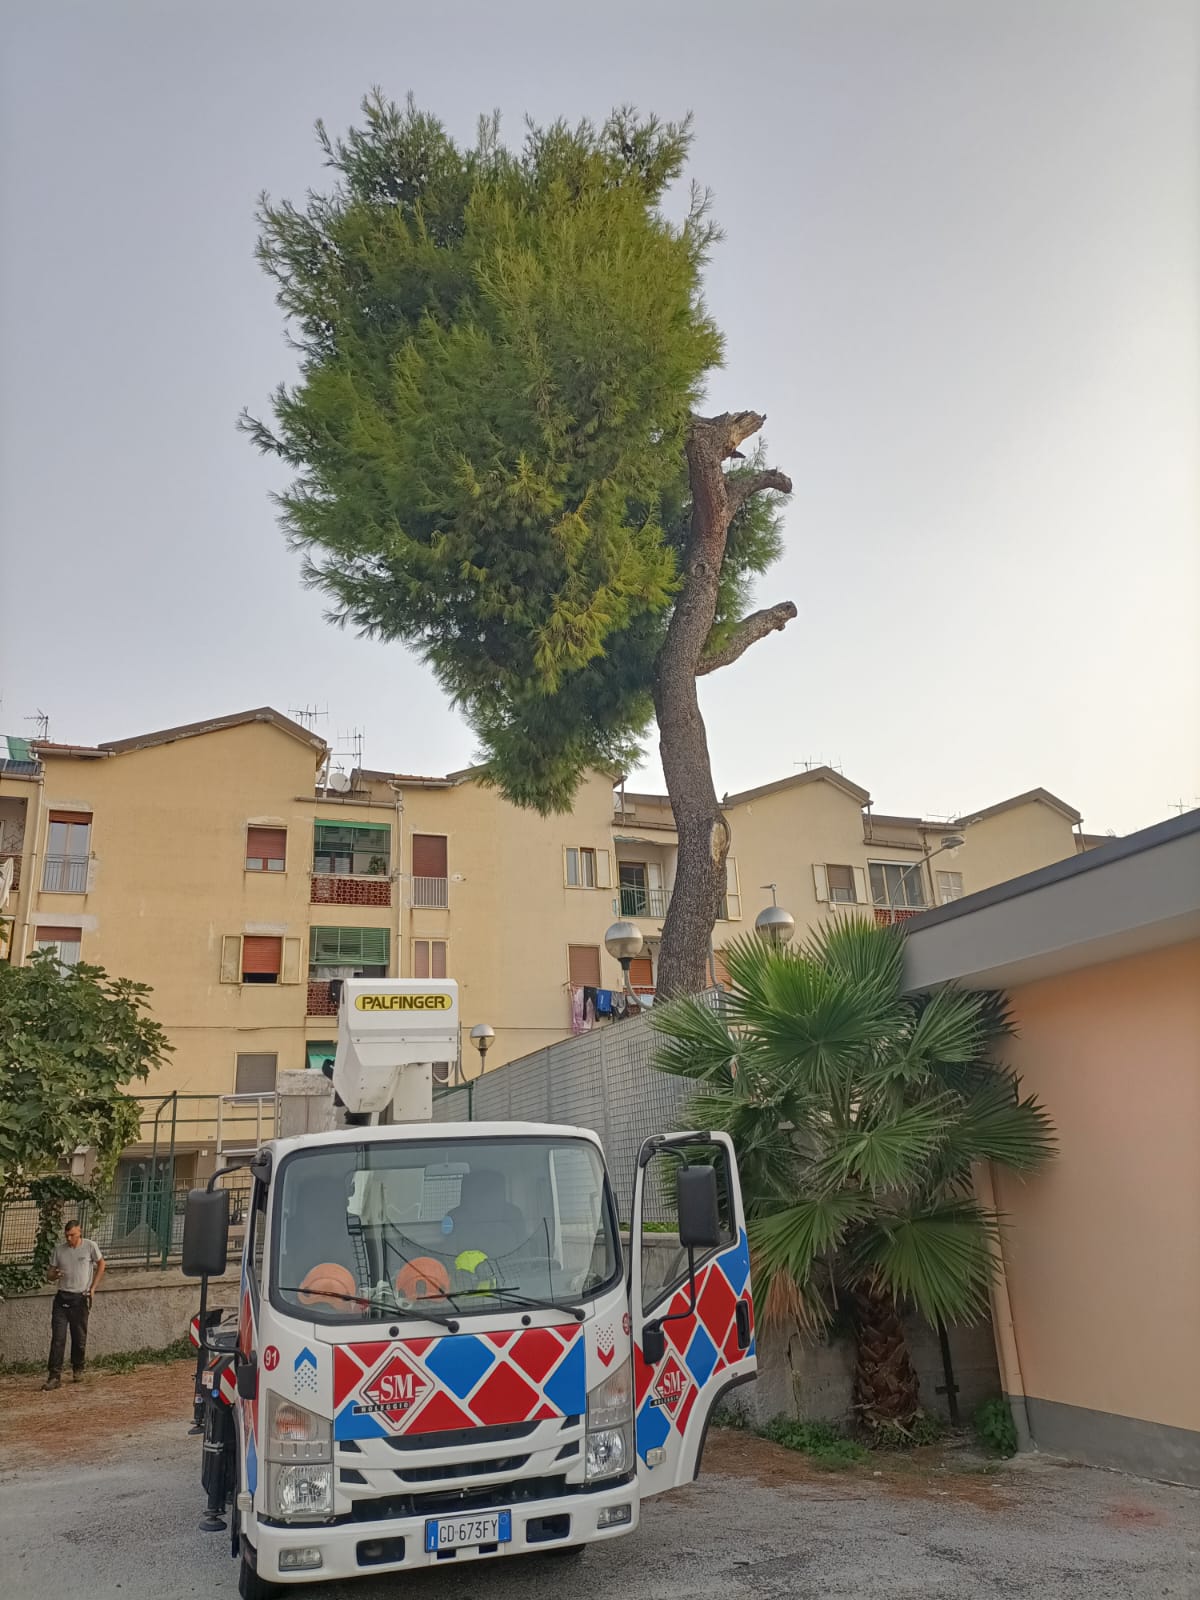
1003	1323
398	877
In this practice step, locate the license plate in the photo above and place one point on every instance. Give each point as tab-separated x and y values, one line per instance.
455	1533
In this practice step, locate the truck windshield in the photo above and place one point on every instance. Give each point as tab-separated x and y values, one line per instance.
439	1229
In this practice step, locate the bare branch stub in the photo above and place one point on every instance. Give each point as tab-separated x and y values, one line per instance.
749	631
744	486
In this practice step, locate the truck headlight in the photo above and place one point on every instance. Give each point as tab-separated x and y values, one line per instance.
610	1425
298	1450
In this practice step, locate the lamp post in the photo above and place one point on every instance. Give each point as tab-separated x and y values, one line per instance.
482	1037
624	943
950	841
773	924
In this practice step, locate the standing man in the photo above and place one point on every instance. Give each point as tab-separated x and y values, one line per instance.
78	1267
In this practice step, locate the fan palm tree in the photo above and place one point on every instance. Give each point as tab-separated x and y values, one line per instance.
857	1113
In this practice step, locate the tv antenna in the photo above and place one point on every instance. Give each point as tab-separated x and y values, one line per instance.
309	716
41	723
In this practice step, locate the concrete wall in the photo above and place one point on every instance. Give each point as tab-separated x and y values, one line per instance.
1102	1260
799	1377
133	1310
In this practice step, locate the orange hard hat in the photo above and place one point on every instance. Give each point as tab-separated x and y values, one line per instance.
328	1284
422	1279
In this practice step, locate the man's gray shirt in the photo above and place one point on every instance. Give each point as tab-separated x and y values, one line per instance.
77	1264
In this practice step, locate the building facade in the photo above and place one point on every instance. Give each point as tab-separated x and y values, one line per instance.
225	865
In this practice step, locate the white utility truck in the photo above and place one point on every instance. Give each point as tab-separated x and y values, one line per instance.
443	1351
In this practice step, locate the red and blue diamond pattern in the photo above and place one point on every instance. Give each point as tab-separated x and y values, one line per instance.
699	1346
458	1381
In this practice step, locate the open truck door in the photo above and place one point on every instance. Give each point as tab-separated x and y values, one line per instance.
693	1331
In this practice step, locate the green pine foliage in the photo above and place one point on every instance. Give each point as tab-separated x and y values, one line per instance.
500	351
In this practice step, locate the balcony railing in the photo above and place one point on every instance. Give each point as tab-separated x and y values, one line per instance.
891	916
430	894
339	889
65	875
16	866
320	998
635	901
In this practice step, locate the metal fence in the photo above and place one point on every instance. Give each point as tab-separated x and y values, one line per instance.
604	1080
137	1223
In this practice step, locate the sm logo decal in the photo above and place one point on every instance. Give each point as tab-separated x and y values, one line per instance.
395	1391
670	1388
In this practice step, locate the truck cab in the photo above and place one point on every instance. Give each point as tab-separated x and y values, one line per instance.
446	1350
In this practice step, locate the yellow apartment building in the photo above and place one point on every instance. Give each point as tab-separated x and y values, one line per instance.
225	865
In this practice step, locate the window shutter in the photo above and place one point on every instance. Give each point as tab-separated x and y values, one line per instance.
860	887
261	955
603	875
820	881
333	947
420	958
83	818
429	855
255	1074
438	948
641	973
266	844
721	970
290	970
583	964
570	867
231	958
733	898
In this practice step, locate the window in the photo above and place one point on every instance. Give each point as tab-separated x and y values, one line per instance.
586	868
429	871
255	1074
583	966
359	952
65	942
262	958
659	1204
266	849
429	958
68	853
641	975
731	903
256	958
949	886
359	849
318	1052
897	883
841	883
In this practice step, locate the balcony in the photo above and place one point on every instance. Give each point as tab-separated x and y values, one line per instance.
892	916
320	998
634	900
65	874
429	894
343	889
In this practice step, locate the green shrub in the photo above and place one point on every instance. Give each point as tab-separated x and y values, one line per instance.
828	1446
995	1428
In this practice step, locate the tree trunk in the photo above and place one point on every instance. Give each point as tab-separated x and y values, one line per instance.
703	832
886	1387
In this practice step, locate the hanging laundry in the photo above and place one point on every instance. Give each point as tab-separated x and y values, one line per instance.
577	1011
604	1002
589	1008
618	1005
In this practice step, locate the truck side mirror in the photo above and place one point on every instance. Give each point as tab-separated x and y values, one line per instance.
698	1209
205	1233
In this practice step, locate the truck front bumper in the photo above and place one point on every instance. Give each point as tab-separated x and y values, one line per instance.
358	1549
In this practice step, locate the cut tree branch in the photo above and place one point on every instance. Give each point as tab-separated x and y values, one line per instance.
739	487
748	631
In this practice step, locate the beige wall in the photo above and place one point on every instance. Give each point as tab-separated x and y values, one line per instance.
1102	1253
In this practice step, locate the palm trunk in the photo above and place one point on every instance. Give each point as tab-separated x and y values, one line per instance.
886	1387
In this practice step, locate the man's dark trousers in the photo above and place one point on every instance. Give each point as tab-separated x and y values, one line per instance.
69	1313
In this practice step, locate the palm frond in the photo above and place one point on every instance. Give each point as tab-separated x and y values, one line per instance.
860	953
695	1041
996	1126
890	1153
939	1257
792	1239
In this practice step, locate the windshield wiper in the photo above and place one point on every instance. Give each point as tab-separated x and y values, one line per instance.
365	1301
515	1297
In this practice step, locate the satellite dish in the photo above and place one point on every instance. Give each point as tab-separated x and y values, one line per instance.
339	782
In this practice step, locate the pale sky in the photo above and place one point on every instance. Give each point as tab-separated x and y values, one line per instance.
960	276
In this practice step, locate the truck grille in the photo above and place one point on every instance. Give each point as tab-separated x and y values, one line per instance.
451	1502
